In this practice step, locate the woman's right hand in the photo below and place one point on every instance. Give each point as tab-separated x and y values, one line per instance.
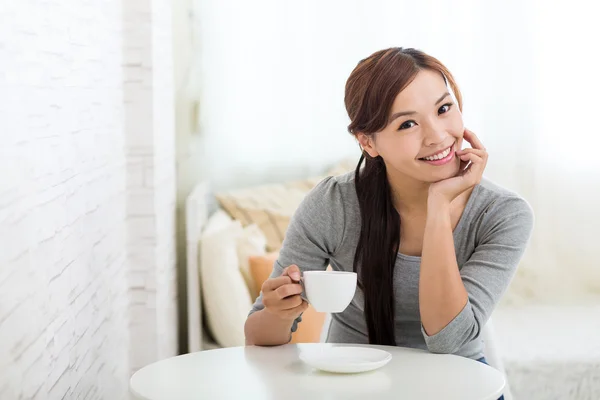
281	295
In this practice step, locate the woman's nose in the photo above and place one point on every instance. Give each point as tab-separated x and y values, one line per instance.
435	135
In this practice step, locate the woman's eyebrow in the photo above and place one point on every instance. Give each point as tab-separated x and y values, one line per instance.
442	98
403	113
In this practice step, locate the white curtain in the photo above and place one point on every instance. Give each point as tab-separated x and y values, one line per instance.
271	79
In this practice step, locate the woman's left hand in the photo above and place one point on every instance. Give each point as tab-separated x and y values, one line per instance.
472	164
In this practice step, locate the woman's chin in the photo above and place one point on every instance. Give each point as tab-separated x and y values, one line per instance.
449	171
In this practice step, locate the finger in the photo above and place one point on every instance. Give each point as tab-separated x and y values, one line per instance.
473	158
290	303
475	166
478	152
463	165
294	312
473	139
293	272
274	283
288	290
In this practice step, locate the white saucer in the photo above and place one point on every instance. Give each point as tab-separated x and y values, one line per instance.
346	359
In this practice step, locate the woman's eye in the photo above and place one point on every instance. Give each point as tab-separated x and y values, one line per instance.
407	125
445	108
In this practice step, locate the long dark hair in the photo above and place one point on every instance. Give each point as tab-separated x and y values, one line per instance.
370	92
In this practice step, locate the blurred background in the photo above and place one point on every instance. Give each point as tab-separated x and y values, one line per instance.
126	126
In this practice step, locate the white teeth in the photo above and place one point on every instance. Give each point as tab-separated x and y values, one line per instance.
439	156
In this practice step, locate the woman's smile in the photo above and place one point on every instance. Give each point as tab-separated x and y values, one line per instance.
441	158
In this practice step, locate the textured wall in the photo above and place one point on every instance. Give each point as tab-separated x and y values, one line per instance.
63	287
150	127
86	212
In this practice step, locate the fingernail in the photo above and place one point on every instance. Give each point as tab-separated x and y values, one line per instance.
295	276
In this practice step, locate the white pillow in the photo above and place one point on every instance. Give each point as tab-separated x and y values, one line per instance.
217	221
252	242
225	294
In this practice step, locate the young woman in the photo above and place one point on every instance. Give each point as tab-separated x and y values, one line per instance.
435	246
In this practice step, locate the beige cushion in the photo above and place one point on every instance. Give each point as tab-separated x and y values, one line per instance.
225	294
270	207
252	242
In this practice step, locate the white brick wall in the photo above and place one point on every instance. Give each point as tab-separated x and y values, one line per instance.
86	203
165	177
151	179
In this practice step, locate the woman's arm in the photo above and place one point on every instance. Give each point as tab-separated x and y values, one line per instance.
273	324
442	294
313	236
455	304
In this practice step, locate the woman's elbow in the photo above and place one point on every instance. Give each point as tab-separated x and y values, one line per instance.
443	347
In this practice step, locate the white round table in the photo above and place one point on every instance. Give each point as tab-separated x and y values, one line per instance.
277	373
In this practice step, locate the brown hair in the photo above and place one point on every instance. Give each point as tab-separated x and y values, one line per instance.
370	92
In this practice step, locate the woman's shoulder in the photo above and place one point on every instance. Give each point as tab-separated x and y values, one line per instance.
321	219
498	206
493	194
335	190
332	199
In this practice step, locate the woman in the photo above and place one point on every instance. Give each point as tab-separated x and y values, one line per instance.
435	245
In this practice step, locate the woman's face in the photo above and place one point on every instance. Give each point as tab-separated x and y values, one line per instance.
424	122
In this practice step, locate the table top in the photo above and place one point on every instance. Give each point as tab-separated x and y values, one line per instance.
277	373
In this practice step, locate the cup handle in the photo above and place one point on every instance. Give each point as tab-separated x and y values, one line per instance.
303	294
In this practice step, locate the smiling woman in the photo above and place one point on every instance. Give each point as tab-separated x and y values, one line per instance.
417	111
435	246
408	156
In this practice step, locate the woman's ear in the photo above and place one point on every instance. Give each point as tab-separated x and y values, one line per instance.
367	144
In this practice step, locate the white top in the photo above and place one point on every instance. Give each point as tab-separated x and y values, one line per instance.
278	373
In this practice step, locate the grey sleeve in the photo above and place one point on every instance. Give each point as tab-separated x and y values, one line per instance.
313	235
505	232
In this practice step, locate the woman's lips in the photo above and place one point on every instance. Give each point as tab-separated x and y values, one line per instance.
442	161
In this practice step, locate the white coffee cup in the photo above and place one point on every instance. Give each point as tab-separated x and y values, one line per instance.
329	291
